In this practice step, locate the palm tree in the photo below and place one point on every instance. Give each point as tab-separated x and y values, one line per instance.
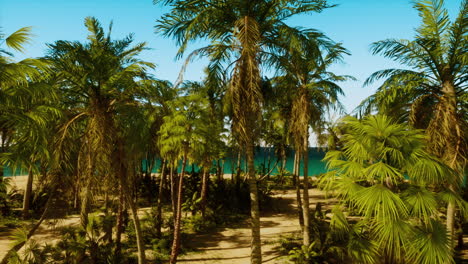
243	31
315	91
13	73
182	136
30	113
97	78
399	215
213	147
15	78
157	95
23	105
431	93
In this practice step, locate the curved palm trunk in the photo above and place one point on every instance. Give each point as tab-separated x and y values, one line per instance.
256	250
27	194
178	217
305	202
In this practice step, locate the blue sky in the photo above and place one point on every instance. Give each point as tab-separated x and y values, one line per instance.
355	23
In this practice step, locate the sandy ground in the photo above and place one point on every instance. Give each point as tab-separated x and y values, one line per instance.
232	245
222	246
227	245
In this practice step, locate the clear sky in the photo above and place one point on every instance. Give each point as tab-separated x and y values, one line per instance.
355	23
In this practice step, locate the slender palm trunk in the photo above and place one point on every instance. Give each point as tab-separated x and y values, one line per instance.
238	169
173	192
123	180
204	189
138	233
160	196
27	194
305	183
256	250
283	159
178	216
119	224
297	164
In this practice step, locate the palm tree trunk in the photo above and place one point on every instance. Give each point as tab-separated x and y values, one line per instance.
160	196
86	196
256	250
138	233
451	152
238	169
27	194
306	192
451	220
178	217
173	192
204	189
283	159
123	179
85	204
297	163
119	226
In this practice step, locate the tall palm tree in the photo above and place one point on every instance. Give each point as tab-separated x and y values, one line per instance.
399	216
431	93
243	31
315	90
97	78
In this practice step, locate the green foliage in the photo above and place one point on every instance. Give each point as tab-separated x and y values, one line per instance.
430	93
369	172
304	254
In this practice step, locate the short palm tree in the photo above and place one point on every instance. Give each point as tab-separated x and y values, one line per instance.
431	92
242	31
384	173
182	136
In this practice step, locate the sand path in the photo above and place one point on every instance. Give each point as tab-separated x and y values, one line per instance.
232	245
226	245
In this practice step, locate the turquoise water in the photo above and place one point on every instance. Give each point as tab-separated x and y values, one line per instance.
7	171
262	155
